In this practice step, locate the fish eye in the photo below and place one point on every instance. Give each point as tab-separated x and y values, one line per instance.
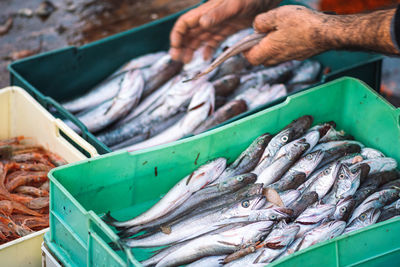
327	171
363	216
343	209
245	204
284	138
308	157
341	176
273	217
240	178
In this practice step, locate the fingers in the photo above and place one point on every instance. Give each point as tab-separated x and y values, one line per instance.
223	11
265	22
262	52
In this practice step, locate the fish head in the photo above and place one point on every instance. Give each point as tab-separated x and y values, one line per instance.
316	214
278	213
205	94
310	161
248	204
343	208
366	218
262	141
281	236
370	153
282	138
388	195
206	174
347	181
300	125
312	138
335	228
236	182
248	191
289	196
296	148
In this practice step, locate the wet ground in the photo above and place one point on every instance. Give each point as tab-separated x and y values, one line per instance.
35	26
39	26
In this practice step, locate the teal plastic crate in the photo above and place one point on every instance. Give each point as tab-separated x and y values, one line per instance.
129	183
74	70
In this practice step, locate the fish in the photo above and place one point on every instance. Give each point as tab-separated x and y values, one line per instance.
371	153
110	111
199	178
292	131
174	101
248	159
217	243
197	225
307	72
375	201
288	197
378	164
324	180
257	97
225	85
335	144
201	106
344	151
237	64
380	178
274	244
211	261
242	45
224	113
299	172
325	231
288	155
345	185
204	195
144	61
343	209
313	216
160	72
366	218
333	135
272	75
389	211
232	40
302	203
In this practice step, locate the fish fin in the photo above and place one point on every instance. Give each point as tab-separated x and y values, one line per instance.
165	229
227	243
273	196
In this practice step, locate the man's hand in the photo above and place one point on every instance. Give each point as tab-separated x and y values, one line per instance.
295	32
210	23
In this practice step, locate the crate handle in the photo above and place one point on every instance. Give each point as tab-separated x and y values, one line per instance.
75	137
68	116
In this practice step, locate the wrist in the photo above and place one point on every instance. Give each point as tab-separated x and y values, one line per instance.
363	32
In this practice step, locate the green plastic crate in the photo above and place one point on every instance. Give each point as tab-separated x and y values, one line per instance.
129	183
69	72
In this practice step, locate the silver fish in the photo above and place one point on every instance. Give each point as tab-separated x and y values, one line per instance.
110	111
140	62
217	243
324	180
333	144
211	261
366	218
313	217
204	175
390	211
375	201
201	106
371	153
236	49
292	131
346	184
378	164
307	72
255	97
174	101
288	155
325	231
199	224
205	195
288	197
343	209
248	159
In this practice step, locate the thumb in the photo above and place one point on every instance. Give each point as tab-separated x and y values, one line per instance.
225	10
261	52
265	22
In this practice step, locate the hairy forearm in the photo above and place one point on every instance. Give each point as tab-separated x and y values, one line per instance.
370	31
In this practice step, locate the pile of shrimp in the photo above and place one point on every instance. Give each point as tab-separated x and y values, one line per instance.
24	187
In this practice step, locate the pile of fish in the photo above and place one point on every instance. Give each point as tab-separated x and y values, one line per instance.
24	187
284	193
149	101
